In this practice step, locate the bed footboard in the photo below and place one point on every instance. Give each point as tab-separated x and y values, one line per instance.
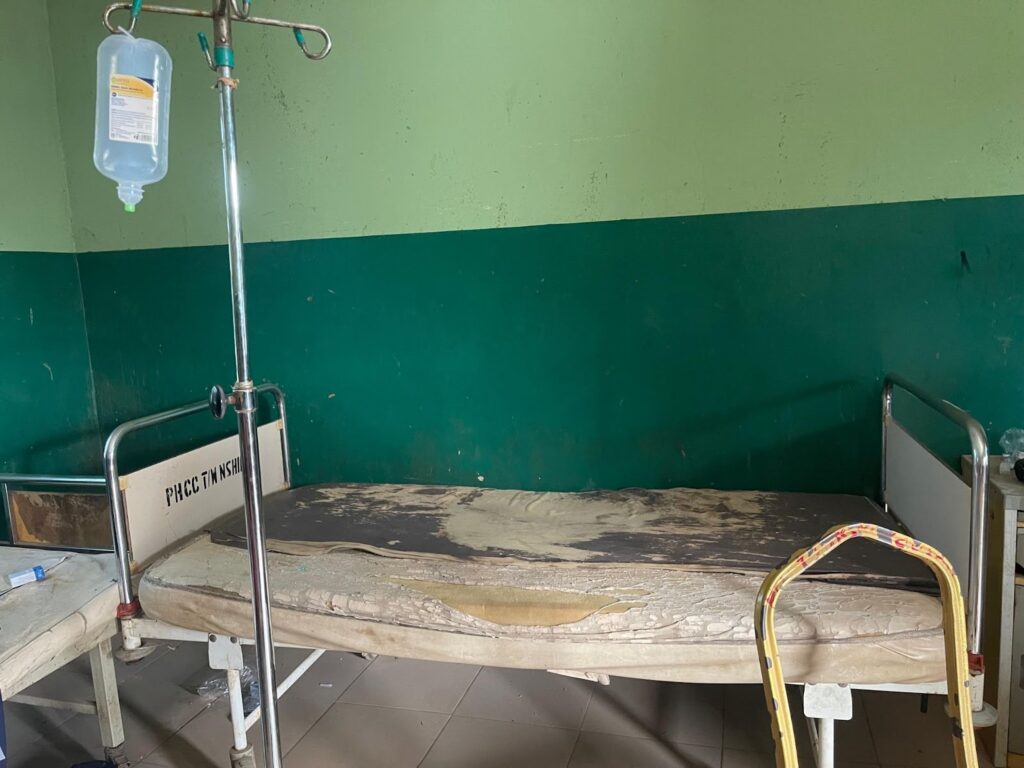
934	503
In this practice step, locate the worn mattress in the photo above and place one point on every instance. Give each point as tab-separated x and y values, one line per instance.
66	614
651	584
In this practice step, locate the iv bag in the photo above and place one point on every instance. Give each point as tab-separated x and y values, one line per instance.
133	99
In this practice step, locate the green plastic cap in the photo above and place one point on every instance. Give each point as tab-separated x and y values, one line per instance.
129	208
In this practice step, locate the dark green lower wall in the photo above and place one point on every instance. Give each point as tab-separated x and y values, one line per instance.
741	351
47	414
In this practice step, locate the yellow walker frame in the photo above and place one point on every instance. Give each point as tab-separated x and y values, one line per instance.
954	624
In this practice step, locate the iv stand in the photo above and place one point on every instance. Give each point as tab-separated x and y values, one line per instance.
244	396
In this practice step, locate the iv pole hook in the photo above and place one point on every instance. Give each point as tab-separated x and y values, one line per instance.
243	14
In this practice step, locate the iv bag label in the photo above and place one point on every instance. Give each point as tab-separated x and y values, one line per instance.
133	102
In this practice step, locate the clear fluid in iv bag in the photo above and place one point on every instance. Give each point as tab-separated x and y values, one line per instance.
133	99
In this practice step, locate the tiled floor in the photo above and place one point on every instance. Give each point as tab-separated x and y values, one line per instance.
350	713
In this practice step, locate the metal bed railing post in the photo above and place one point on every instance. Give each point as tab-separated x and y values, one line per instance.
886	416
122	546
286	448
5	498
112	481
979	497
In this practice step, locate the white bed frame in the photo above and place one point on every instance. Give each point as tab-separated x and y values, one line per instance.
158	507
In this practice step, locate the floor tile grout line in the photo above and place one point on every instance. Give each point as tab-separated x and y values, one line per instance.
365	705
450	716
133	672
586	709
575	746
426	754
166	739
378	705
663	740
54	725
590	698
495	720
208	705
721	752
211	704
330	706
652	734
871	733
733	709
579	728
362	672
578	732
465	693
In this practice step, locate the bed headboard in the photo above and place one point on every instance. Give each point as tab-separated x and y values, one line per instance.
935	503
167	502
156	507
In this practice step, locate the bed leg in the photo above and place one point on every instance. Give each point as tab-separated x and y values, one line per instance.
243	758
225	653
824	703
116	756
132	648
237	711
826	743
823	741
108	703
242	755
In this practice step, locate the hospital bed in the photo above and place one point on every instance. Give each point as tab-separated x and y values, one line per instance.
47	624
648	584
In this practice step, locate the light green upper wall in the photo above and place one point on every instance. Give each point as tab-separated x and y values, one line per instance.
455	114
34	213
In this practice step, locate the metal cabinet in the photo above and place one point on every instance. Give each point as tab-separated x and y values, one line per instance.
1004	617
1015	741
